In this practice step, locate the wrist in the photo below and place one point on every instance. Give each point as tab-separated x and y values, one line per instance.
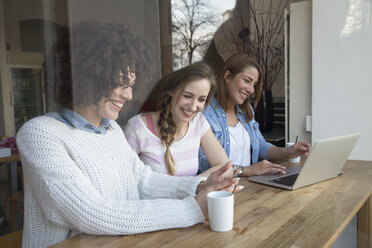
249	171
200	187
287	152
237	170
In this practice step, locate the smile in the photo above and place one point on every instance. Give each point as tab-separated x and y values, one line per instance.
117	104
243	95
189	113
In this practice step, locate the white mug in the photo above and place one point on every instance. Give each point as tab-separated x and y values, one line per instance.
220	210
296	159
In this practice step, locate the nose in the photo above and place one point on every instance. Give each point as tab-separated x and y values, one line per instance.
127	94
250	88
195	105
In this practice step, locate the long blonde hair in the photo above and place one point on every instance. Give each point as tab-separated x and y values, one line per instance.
175	82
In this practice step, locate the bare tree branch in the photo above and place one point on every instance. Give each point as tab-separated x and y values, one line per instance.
190	22
266	37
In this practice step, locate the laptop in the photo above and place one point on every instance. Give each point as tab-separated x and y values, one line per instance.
325	161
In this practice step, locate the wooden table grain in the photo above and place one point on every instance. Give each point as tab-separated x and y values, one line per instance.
265	216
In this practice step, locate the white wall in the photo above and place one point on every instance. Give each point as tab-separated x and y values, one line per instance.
342	78
342	71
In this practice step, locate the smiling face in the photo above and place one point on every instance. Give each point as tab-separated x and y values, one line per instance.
109	108
189	101
242	86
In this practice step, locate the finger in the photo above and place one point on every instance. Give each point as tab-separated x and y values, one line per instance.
273	169
231	188
225	183
270	165
278	166
278	171
305	146
304	152
222	170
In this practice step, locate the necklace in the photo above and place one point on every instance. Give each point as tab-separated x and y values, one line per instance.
232	119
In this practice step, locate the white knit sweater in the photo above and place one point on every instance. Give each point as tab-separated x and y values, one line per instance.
76	181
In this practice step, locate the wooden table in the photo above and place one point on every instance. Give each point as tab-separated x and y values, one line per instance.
12	171
265	216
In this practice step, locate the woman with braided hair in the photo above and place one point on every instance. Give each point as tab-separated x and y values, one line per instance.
169	139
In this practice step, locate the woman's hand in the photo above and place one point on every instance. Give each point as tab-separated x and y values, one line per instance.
215	177
299	149
215	182
263	167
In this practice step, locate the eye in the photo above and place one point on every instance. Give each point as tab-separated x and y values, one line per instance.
187	96
202	99
125	85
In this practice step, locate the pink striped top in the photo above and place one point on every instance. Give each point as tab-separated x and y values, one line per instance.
151	150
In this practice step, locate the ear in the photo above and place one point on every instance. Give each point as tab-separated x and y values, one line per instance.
227	75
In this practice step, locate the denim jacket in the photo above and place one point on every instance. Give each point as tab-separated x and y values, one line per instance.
217	118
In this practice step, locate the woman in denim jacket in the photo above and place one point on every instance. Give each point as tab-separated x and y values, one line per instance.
231	117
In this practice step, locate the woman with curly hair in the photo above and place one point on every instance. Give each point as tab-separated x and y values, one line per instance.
80	174
169	139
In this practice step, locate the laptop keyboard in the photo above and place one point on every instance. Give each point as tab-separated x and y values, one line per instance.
288	180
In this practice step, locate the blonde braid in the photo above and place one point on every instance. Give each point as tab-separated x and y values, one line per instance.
167	131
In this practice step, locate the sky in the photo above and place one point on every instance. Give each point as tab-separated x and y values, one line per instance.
222	5
219	6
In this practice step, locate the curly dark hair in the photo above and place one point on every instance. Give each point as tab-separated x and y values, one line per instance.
90	57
